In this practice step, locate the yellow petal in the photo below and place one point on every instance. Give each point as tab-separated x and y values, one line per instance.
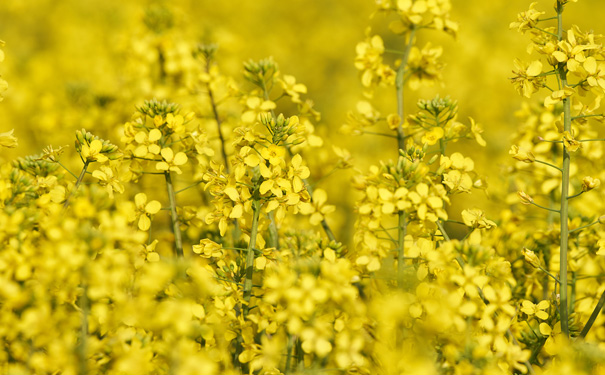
534	68
144	223
153	207
167	154
140	199
180	158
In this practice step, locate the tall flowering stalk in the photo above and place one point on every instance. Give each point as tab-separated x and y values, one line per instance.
576	61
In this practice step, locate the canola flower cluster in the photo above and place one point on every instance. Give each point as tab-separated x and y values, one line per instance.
199	241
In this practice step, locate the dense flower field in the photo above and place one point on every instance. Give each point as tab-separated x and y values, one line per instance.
172	206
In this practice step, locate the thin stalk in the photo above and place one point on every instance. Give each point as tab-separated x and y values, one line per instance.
68	171
584	226
593	316
218	121
250	256
81	348
548	164
401	248
399	87
564	214
399	83
273	232
289	355
176	229
78	183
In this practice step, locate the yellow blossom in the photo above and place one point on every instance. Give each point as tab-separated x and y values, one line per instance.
171	161
7	139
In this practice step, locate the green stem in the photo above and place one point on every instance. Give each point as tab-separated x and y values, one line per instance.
218	121
68	171
78	183
545	208
442	230
584	226
176	229
550	165
289	355
401	248
250	256
81	348
549	274
575	195
563	308
188	187
399	87
593	316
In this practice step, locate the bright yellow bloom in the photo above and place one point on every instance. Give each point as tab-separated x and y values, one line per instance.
145	210
108	178
531	258
171	161
7	139
274	154
526	157
92	152
538	310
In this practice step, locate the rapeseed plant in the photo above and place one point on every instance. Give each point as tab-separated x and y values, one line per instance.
203	236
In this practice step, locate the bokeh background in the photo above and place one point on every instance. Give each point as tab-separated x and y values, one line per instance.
73	64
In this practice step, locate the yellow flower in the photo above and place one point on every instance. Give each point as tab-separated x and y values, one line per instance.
297	173
292	88
318	209
531	258
108	178
570	143
527	80
433	136
92	152
475	218
526	157
171	161
145	210
7	139
524	197
527	20
589	183
208	249
530	309
274	154
147	143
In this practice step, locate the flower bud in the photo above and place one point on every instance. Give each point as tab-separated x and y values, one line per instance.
525	198
531	258
589	183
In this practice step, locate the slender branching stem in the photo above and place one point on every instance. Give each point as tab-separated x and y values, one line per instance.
575	195
399	87
399	83
549	274
68	171
545	208
217	118
584	226
593	316
256	206
401	248
81	348
564	214
548	164
176	228
78	183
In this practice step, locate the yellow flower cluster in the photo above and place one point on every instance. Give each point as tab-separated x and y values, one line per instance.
213	243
